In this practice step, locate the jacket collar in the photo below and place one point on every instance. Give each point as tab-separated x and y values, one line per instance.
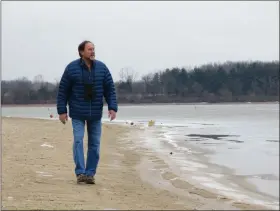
82	63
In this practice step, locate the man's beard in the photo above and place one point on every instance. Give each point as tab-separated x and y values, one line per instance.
92	57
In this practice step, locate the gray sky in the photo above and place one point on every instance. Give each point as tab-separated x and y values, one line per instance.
43	37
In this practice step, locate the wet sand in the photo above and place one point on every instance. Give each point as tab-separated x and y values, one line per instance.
38	173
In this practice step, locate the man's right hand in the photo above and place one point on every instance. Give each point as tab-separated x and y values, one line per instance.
63	118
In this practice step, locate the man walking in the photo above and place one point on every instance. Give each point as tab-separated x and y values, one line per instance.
82	86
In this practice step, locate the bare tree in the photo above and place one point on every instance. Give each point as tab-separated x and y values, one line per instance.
147	79
38	82
38	79
128	74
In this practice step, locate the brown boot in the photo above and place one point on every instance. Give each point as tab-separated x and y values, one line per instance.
80	178
90	180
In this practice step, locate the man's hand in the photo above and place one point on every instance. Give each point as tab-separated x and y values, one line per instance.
112	114
63	118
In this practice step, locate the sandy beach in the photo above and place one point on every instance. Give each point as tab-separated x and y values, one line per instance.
38	173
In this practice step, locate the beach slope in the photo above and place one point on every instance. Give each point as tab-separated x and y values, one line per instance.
38	173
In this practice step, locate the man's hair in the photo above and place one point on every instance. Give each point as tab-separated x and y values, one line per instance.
81	47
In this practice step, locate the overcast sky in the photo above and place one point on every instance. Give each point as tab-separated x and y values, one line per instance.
43	37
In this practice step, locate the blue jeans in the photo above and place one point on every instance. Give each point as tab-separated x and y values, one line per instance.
94	135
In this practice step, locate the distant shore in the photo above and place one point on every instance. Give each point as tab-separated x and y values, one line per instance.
141	104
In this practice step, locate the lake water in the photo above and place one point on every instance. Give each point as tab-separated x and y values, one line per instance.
242	139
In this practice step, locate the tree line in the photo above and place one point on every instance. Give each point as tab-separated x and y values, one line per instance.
253	81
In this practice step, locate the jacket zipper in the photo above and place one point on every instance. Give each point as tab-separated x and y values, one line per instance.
90	99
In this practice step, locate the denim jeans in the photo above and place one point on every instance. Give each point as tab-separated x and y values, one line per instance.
94	135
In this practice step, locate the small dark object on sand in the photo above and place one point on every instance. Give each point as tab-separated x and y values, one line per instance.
170	153
131	123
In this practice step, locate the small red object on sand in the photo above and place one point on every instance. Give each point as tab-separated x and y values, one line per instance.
51	116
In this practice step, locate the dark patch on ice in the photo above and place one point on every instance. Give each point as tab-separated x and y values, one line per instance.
199	138
216	137
236	141
275	141
196	139
212	143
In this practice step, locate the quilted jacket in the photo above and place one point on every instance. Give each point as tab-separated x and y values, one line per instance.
71	90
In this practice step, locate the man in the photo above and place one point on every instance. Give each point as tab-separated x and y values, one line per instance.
83	84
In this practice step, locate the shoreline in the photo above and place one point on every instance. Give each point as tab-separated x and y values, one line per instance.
120	163
196	169
147	104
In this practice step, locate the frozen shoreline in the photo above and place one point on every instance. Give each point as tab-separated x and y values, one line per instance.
189	163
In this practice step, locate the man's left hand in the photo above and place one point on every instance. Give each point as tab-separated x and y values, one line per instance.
112	114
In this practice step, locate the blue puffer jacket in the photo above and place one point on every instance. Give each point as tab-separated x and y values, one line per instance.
71	90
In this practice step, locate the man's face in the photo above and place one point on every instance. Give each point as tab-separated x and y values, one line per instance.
89	51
